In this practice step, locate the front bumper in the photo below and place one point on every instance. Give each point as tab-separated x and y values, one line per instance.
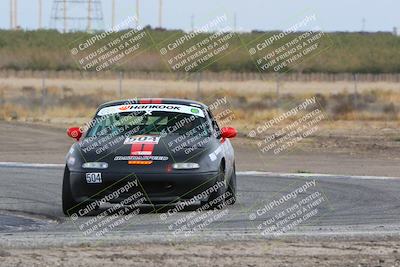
160	188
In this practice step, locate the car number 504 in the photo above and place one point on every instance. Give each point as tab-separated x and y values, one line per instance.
93	178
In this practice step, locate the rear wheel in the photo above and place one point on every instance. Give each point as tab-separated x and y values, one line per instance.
68	203
231	199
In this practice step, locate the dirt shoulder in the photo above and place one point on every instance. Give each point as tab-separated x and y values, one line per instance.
236	253
348	150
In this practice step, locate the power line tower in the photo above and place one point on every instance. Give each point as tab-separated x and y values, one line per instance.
77	15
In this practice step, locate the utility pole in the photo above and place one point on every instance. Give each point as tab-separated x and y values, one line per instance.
234	22
65	16
39	14
137	13
89	19
278	87
11	14
113	14
192	22
355	78
15	14
160	15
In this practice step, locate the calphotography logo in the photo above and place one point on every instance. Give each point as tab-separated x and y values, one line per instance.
105	50
204	45
290	209
281	51
75	133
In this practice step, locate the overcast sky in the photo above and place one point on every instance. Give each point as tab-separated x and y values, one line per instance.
334	15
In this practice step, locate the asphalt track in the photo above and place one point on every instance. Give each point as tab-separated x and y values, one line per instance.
30	209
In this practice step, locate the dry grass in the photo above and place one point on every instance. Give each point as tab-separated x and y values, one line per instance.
150	88
67	104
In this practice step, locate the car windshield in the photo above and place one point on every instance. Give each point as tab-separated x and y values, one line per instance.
145	122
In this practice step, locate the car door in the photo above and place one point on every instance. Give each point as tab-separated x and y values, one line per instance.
224	145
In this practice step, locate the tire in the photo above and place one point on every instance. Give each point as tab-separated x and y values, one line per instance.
232	188
217	194
68	202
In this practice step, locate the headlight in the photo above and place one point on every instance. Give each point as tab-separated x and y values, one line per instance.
95	165
70	160
184	165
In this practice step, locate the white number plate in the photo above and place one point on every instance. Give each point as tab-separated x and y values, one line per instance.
93	178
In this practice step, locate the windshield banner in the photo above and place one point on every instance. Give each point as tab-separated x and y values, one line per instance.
148	108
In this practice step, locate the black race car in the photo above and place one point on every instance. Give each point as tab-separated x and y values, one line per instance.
170	150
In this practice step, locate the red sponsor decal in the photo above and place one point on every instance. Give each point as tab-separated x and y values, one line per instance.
156	101
142	149
125	107
150	101
136	148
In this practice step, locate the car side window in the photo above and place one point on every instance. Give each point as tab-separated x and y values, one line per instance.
214	123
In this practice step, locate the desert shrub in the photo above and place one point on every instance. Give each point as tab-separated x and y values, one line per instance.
390	109
321	100
348	52
341	104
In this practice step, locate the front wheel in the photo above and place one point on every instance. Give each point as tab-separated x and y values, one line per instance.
231	198
68	203
217	198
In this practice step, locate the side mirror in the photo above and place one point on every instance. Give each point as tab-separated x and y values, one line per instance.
74	132
228	132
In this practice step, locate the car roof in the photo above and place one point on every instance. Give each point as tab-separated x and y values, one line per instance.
152	101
